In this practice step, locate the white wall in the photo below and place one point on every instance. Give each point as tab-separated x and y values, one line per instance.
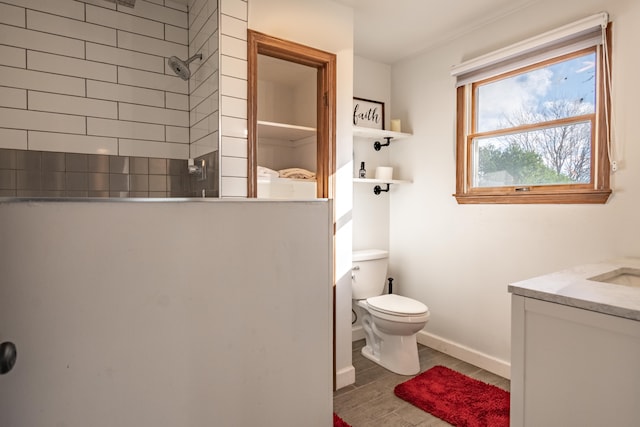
83	77
459	259
371	80
152	314
328	26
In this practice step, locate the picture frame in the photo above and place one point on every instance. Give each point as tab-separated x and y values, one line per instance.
368	113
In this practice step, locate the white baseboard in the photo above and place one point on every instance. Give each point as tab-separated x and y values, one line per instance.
345	377
357	333
469	355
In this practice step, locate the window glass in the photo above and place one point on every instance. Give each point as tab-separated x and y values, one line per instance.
549	156
555	91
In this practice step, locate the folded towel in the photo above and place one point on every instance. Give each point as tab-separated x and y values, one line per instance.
297	173
266	172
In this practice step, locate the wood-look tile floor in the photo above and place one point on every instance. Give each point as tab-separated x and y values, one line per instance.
370	402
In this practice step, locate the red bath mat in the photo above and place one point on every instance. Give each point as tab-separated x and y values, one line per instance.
456	398
338	422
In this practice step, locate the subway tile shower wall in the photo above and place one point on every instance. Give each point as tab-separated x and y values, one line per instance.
89	106
91	77
50	174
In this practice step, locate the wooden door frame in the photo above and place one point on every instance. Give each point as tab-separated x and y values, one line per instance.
325	63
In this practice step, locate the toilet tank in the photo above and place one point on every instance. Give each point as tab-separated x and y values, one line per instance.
369	273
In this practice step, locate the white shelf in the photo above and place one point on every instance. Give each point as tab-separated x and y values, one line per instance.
378	133
284	131
380	181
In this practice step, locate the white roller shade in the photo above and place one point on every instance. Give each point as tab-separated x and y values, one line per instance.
578	35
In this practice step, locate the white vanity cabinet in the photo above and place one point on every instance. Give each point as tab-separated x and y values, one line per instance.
573	362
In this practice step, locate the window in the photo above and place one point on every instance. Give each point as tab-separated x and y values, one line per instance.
533	125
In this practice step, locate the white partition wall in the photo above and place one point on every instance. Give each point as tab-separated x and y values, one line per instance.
197	313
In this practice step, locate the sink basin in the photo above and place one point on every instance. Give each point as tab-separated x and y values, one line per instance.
621	276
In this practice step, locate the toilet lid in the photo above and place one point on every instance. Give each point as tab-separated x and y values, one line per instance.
397	304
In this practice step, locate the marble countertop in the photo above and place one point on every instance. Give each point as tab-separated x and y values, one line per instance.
572	287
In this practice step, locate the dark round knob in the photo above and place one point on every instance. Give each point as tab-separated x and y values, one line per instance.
8	356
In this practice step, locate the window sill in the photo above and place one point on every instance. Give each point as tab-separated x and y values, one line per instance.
538	197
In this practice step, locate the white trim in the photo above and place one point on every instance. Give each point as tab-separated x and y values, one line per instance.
345	376
469	355
541	41
357	333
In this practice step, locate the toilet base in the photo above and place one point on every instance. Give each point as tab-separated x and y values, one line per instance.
396	353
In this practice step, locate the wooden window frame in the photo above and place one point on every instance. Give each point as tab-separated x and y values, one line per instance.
595	192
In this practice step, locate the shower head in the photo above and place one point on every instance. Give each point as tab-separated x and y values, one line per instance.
180	67
128	3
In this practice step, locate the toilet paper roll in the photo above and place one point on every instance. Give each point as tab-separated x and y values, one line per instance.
384	173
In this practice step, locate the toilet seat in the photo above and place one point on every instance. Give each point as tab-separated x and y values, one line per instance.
397	305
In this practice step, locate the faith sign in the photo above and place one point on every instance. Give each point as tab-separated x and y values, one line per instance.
368	114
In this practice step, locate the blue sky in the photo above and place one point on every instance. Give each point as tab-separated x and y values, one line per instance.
572	80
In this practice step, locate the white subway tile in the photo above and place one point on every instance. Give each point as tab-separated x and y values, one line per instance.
197	8
167	150
36	80
233	147
233	67
141	113
28	39
233	27
132	94
200	35
207	107
102	3
177	101
176	5
233	87
235	8
123	21
233	166
80	106
146	79
233	47
177	134
63	142
205	145
198	131
12	15
207	126
71	66
13	56
12	138
70	28
150	45
36	120
204	73
233	187
70	9
124	57
122	129
233	127
204	90
158	13
13	98
233	107
176	34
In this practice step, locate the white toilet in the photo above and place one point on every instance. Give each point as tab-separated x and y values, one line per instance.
390	321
